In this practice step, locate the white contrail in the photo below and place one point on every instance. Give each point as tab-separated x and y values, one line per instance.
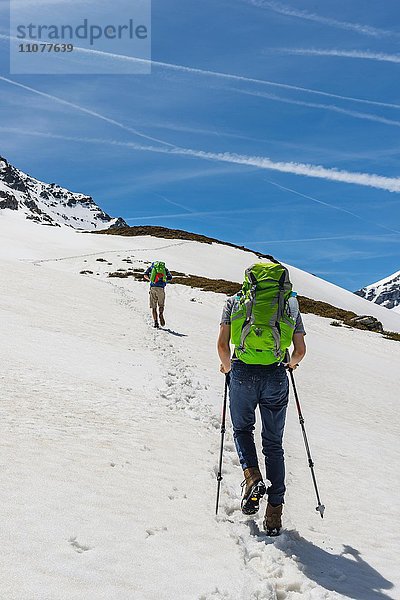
390	184
289	11
186	208
226	76
374	238
232	77
334	206
330	107
82	109
361	54
365	179
205	213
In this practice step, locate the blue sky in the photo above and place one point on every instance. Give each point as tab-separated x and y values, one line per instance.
312	178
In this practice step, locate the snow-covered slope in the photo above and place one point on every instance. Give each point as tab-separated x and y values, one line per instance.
385	292
110	437
208	260
49	203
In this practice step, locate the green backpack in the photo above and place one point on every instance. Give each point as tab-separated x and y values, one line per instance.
261	324
158	272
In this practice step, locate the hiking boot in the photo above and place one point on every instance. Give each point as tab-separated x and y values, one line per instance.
156	324
162	320
253	490
273	519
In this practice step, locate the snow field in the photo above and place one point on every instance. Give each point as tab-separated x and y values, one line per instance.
111	437
97	469
25	240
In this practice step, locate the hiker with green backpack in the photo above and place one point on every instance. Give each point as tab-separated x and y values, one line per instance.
261	321
159	276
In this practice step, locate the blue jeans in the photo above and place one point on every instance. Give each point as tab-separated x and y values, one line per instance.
266	386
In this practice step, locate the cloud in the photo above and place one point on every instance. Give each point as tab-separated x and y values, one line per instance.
289	11
372	180
329	107
360	54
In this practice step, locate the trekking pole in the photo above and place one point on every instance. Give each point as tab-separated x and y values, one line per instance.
320	508
219	475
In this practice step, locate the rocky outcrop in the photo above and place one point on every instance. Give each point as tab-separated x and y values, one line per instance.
7	200
367	322
50	204
385	292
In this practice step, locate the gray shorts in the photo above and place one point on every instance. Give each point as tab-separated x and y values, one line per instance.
157	297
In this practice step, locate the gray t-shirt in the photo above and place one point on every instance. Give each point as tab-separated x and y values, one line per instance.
231	304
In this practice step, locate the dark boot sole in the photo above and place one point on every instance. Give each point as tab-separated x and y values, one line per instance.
251	502
272	531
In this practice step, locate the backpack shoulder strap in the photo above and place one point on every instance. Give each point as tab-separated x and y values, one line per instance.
248	303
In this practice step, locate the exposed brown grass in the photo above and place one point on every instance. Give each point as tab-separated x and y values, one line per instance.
307	305
177	274
323	309
173	234
137	274
221	286
391	335
340	316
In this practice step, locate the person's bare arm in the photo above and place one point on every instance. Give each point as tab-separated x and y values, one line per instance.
146	277
224	350
299	350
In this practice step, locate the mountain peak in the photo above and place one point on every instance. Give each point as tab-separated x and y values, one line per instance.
49	203
385	292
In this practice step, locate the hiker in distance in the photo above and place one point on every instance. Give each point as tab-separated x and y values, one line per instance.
158	275
261	322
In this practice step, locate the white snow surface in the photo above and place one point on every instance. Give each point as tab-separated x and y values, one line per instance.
384	280
49	203
110	437
385	291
